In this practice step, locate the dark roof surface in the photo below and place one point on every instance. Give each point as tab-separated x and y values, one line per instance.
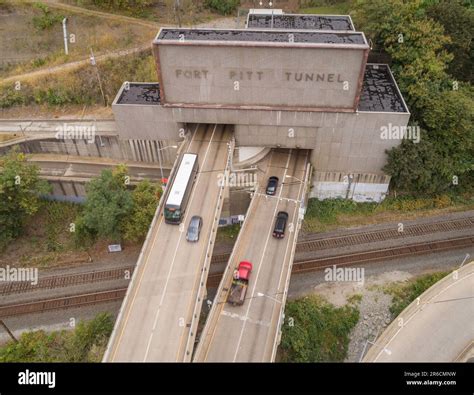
140	93
379	91
292	21
312	37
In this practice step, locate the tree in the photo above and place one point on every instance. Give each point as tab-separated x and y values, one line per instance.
415	43
457	18
20	192
418	168
443	109
145	199
108	203
224	7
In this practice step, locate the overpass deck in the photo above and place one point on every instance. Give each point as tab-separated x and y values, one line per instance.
250	333
159	315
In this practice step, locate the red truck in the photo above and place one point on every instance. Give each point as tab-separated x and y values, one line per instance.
240	283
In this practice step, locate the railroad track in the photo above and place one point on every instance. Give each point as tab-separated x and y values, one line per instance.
214	279
315	243
318	243
302	266
68	280
64	302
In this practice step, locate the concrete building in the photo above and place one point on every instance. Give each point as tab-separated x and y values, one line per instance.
288	81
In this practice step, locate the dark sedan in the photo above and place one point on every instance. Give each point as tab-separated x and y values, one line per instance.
272	185
280	225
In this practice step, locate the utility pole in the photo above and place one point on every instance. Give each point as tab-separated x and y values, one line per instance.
94	63
66	50
177	9
8	331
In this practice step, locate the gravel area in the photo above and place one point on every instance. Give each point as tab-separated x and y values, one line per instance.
374	304
374	317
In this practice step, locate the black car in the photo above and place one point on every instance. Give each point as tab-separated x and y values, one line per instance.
272	185
280	225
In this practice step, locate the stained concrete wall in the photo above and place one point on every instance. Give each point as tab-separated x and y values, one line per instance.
340	141
138	150
351	185
148	122
267	76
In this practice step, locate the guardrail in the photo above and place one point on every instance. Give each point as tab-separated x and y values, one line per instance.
397	325
281	315
207	260
223	286
145	248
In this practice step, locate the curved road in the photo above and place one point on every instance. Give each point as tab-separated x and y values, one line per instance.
436	327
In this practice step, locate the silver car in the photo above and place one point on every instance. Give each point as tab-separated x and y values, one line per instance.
194	228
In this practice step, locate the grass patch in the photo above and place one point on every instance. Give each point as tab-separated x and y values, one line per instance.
46	238
322	215
336	9
228	233
32	37
192	11
80	86
316	331
329	7
355	299
86	343
406	292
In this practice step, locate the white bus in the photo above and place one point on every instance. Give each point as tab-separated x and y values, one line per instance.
178	197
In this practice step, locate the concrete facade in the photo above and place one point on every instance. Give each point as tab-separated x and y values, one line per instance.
260	77
132	149
279	101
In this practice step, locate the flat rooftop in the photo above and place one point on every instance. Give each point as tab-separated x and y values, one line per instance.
140	93
380	91
260	36
300	22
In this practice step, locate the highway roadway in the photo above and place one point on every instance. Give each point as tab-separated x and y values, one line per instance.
436	327
248	333
154	322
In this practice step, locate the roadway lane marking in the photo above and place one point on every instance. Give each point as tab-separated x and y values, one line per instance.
141	274
245	318
205	250
405	323
261	260
280	199
176	250
220	306
288	273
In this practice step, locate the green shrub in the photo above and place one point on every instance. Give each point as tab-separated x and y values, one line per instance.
224	7
405	293
316	331
47	18
86	343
